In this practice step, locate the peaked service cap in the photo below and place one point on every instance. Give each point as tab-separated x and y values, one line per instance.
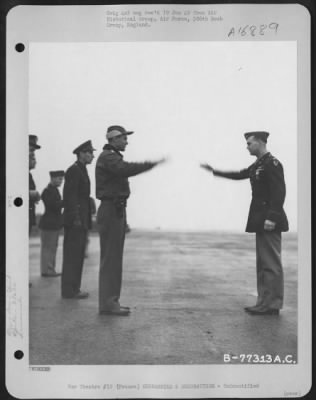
262	135
116	130
56	174
86	146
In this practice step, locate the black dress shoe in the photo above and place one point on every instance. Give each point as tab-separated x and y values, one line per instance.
116	304
250	308
264	311
120	312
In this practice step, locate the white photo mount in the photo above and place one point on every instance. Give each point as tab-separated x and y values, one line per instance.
134	29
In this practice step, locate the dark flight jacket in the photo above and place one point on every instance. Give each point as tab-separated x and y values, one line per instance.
112	172
76	196
268	193
52	218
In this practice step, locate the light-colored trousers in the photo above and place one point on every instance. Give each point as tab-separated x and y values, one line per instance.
270	283
49	244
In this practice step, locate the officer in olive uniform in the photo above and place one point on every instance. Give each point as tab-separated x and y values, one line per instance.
112	188
77	221
51	223
267	218
34	196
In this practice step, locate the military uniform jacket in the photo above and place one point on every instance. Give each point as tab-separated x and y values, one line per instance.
32	218
268	193
76	196
112	174
52	218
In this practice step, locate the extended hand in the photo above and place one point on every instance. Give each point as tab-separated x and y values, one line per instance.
269	225
207	167
162	160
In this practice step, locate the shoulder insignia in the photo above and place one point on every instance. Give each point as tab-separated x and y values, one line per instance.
275	162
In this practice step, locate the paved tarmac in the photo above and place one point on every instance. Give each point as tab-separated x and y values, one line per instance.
186	292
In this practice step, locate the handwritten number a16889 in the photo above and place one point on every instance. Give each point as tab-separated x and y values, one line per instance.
254	30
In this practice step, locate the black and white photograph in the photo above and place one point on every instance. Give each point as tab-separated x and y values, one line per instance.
163	248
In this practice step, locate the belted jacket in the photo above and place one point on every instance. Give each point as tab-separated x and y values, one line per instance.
112	173
268	192
52	218
76	196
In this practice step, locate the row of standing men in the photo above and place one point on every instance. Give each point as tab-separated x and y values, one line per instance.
266	217
112	190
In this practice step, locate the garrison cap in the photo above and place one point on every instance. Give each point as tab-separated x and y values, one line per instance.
33	142
116	130
56	174
262	135
86	146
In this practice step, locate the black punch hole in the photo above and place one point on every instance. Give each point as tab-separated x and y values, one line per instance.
18	354
18	201
20	47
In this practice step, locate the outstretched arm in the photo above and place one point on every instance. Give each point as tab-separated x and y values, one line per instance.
119	167
236	175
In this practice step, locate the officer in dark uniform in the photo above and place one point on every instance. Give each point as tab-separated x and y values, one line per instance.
51	223
77	221
34	196
112	188
267	218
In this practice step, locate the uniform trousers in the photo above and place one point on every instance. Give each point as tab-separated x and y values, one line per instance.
73	257
49	244
111	227
270	284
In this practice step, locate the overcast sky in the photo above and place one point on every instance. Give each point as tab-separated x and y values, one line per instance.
191	101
